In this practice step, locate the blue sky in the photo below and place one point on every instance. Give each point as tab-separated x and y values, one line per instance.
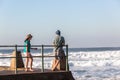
83	23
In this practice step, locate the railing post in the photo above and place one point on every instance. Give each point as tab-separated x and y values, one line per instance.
16	59
42	51
67	66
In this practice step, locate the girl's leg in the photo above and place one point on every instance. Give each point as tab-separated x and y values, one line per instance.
31	62
27	60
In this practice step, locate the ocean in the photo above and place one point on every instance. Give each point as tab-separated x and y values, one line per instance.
100	63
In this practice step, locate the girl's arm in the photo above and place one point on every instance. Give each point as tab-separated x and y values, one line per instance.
34	48
26	48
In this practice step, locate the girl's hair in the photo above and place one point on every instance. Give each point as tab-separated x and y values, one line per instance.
27	37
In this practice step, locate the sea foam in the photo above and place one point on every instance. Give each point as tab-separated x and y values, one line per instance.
85	65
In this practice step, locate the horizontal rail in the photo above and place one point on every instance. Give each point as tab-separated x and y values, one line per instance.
31	45
32	56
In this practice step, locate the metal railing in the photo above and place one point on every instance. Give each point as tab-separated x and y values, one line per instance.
42	56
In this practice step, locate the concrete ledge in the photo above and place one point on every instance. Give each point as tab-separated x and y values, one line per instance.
61	75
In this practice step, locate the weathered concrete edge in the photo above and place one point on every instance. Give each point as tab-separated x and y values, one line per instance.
39	76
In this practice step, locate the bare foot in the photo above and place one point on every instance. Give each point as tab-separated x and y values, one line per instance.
26	70
52	69
31	70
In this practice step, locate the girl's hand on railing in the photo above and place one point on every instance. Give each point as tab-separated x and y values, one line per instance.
34	48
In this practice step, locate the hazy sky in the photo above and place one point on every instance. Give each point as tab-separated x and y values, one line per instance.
83	23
